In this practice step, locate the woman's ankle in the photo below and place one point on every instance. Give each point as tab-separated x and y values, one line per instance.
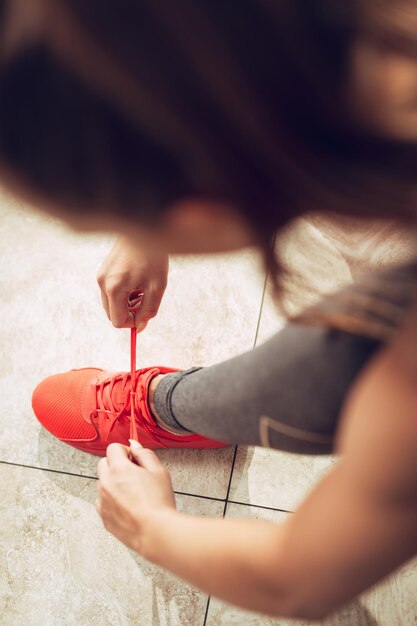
151	403
151	394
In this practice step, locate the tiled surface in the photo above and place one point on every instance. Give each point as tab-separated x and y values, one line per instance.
393	603
273	478
55	321
61	567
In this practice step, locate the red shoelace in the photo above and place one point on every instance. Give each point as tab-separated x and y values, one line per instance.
104	398
133	427
104	401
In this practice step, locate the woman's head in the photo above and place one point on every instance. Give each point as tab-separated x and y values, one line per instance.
205	124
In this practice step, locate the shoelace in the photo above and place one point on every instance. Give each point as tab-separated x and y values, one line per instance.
112	413
100	403
133	427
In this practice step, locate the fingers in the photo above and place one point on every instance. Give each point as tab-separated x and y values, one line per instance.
102	468
126	308
121	315
135	301
135	297
117	454
149	306
105	302
145	457
115	299
125	273
141	326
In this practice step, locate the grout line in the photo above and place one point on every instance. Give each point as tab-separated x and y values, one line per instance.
195	495
259	506
230	480
207	610
55	471
273	242
224	513
47	469
258	323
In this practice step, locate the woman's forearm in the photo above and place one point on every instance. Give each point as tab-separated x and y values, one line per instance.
235	560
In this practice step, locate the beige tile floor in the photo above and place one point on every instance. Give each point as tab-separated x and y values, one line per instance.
59	567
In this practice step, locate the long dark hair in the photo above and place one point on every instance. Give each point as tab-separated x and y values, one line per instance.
125	106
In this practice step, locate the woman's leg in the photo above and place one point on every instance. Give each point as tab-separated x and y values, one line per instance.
287	393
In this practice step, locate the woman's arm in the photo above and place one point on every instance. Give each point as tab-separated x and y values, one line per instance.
340	542
357	526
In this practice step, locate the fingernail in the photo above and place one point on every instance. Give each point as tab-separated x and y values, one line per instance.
135	445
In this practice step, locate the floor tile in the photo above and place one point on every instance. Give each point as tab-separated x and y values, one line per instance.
61	567
392	603
55	322
273	478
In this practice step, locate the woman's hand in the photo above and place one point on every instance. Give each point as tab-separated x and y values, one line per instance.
128	269
133	495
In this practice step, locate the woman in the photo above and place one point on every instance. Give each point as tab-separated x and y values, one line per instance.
195	127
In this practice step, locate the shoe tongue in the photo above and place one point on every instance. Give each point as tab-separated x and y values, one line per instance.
142	388
119	395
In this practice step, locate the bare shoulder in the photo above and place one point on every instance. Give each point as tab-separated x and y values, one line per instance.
378	433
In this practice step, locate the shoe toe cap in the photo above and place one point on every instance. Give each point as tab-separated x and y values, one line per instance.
56	402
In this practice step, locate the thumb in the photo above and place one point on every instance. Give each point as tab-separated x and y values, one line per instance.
148	306
120	315
141	326
135	446
144	457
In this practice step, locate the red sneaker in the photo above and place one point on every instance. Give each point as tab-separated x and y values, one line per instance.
90	408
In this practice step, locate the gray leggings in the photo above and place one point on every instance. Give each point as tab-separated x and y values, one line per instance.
286	394
289	392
